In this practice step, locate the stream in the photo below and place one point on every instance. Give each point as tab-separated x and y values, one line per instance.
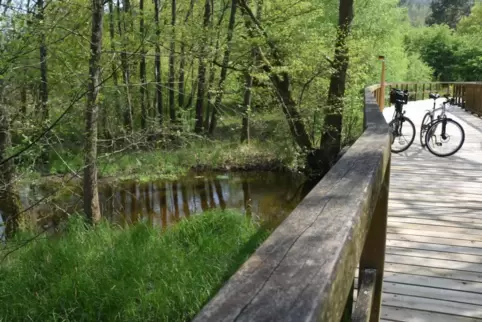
267	197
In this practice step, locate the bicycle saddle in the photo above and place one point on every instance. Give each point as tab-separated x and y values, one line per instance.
434	96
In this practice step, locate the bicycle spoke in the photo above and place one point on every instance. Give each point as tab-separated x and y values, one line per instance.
445	137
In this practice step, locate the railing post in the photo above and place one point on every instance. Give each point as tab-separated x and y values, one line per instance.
348	312
382	85
423	91
373	255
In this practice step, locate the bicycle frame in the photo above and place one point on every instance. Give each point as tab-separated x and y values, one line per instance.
442	108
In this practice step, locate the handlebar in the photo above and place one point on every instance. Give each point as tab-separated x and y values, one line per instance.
398	96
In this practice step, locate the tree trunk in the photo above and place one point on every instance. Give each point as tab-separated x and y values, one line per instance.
219	193
245	135
281	81
9	199
247	105
23	100
331	140
212	70
91	193
172	62
185	201
202	73
224	68
175	200
115	76
128	121
157	64
182	59
210	82
142	69
44	93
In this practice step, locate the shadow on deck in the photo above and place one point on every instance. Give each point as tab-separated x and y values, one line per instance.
433	261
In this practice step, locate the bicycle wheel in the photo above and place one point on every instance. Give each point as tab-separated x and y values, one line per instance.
403	134
444	143
427	119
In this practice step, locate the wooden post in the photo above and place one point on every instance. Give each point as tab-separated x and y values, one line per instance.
382	84
373	255
423	91
416	91
464	90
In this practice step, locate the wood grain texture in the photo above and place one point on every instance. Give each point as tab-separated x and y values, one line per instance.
433	261
365	296
304	271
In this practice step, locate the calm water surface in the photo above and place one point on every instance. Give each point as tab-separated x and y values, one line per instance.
268	197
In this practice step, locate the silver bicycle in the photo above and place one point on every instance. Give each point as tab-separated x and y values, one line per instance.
429	116
441	132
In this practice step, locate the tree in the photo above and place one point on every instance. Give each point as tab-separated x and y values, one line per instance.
472	24
91	193
331	139
448	12
201	85
44	93
157	63
142	69
9	198
224	67
172	63
123	33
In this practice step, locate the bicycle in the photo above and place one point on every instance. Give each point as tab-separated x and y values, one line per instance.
399	98
435	139
428	118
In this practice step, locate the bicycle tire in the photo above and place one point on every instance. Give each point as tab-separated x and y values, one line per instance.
442	155
409	121
427	117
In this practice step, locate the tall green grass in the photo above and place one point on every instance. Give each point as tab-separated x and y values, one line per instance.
133	274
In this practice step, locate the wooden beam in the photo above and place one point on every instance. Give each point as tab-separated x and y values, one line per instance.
305	270
366	292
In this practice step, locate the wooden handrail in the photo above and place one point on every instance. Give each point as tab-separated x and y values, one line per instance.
305	270
468	95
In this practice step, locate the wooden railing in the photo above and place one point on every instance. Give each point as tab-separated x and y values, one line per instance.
467	95
305	270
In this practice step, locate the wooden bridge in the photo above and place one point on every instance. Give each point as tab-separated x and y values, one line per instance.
409	224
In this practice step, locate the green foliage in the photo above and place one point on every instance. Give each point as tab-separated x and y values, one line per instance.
472	24
125	274
448	12
418	11
304	33
270	150
453	55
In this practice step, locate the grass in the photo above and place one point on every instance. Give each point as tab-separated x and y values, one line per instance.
162	164
270	149
133	274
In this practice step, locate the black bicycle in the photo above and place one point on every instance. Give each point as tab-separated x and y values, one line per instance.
429	116
442	132
401	127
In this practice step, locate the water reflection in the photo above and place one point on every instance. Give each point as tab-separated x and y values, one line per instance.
268	197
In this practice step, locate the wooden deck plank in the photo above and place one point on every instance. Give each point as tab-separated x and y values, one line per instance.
432	232
429	254
455	230
416	269
432	305
437	241
437	222
396	314
433	269
433	247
